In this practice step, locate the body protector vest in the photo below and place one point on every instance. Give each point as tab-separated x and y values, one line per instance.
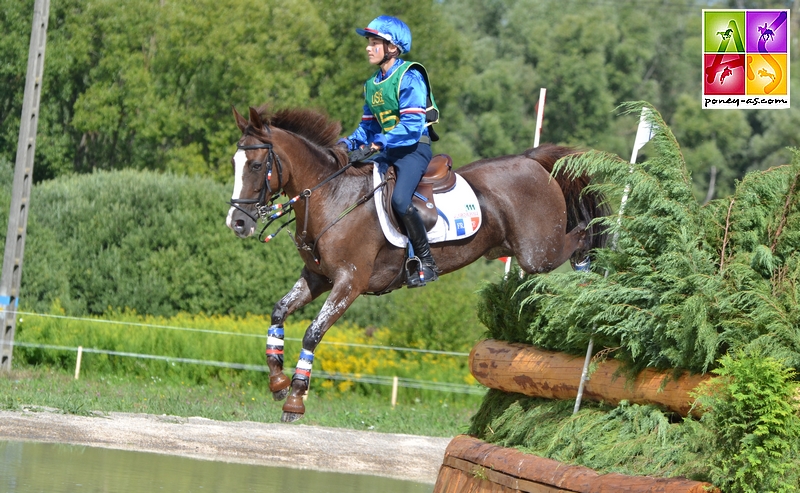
383	99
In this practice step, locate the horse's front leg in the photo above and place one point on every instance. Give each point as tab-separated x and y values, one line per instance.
342	296
305	290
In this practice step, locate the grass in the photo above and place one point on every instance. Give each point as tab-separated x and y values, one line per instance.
39	388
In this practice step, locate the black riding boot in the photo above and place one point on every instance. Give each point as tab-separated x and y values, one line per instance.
418	237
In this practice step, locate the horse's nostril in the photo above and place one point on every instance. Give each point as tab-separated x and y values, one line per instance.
238	225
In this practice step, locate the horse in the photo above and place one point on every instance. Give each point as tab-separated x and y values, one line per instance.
726	34
725	73
766	33
541	221
762	72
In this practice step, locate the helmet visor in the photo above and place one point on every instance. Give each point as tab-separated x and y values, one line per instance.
368	31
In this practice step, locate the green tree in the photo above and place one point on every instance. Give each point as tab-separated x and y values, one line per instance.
16	18
148	85
714	143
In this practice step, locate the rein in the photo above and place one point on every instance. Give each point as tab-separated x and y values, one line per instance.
341	216
264	207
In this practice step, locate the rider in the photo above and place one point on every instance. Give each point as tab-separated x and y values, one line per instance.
398	110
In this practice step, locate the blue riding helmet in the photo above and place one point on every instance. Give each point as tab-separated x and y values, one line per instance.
390	29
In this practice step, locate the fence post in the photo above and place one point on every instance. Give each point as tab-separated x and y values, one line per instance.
643	135
78	362
394	391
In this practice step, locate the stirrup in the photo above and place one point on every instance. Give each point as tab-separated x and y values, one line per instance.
422	275
415	277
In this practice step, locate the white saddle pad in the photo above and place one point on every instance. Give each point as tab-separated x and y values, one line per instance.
459	214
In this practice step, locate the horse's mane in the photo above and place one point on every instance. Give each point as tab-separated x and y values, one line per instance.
312	124
315	126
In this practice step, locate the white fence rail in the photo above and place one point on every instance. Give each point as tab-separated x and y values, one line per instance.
235	334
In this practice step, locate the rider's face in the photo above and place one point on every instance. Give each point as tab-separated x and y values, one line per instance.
375	50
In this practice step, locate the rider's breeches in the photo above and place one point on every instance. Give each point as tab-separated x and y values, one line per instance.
410	163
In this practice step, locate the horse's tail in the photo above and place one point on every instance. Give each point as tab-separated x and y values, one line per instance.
581	207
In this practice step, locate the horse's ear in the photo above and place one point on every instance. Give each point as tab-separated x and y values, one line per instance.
240	121
255	119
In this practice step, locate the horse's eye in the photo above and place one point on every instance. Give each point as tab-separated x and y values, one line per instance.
256	165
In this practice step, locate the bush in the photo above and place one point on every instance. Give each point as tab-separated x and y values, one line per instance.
156	244
629	439
753	416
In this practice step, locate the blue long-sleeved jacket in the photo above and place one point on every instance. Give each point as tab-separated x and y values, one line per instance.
413	98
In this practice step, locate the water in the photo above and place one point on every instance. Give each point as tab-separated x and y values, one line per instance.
30	467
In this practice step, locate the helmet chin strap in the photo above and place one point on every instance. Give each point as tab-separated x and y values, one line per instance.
386	55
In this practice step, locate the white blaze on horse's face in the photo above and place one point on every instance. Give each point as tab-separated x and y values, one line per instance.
239	161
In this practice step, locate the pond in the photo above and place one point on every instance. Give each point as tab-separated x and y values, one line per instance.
31	467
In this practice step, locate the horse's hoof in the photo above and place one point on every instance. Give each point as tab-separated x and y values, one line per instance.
278	383
294	405
290	417
281	394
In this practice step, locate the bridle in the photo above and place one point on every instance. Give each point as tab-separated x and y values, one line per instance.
265	208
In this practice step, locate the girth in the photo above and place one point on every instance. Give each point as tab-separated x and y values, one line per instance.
438	178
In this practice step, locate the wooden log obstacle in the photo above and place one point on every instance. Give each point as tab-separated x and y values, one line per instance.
471	465
524	369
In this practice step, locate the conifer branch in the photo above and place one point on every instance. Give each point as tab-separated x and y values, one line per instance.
725	238
603	354
786	208
771	302
778	278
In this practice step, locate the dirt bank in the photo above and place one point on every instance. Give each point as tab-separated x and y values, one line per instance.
409	457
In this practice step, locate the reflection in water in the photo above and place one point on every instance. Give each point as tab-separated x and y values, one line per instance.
28	467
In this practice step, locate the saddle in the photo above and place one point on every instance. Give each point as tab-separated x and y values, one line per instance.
438	178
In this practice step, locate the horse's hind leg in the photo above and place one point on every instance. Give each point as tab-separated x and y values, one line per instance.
305	290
